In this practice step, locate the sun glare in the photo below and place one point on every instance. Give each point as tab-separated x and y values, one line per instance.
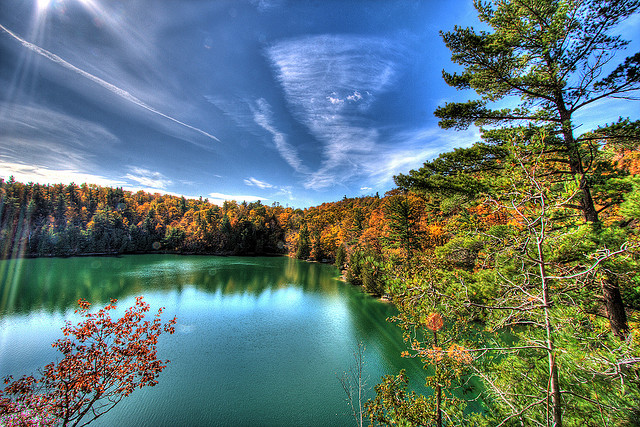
46	8
43	5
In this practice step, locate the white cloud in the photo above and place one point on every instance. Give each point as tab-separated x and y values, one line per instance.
355	97
263	117
602	112
257	183
220	198
287	192
147	178
46	146
47	138
113	88
235	108
45	175
266	5
409	150
247	114
318	75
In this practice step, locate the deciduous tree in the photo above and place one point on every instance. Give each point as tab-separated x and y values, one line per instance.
104	360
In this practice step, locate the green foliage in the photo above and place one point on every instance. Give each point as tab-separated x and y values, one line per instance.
550	55
64	220
393	405
365	269
341	257
531	52
518	243
460	252
518	281
174	238
304	246
630	207
402	219
464	171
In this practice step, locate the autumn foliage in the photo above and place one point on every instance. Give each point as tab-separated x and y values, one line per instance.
103	361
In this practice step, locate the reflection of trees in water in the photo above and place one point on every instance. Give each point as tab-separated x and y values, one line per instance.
56	284
369	320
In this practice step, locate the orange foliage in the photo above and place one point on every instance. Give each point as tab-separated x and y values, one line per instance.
628	161
434	322
459	354
104	361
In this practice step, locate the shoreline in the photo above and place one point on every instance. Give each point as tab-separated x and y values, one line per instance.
118	254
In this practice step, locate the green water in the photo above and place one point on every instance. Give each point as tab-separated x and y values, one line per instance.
259	341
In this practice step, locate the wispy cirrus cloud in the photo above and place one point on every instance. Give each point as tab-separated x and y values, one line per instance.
275	191
252	182
42	145
267	5
263	117
113	88
49	137
330	82
256	117
147	178
236	108
410	149
287	192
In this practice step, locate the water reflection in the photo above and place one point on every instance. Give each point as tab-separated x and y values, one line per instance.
55	284
258	340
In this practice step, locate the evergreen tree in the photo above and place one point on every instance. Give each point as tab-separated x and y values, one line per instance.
303	250
550	54
548	58
402	217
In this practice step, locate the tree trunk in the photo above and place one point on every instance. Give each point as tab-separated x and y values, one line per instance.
610	288
438	387
554	383
615	306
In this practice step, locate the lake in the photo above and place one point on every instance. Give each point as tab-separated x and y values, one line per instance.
259	341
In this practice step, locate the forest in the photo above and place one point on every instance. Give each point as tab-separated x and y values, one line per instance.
513	260
68	220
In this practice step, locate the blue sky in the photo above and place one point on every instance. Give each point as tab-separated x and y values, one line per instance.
296	102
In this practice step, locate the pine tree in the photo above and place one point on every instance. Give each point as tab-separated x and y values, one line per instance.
550	54
546	58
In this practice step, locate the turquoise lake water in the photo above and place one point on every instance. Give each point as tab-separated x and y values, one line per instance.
259	341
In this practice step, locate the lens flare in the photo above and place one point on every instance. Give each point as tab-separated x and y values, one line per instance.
43	5
98	12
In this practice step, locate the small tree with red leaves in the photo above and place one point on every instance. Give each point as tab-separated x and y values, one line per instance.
104	361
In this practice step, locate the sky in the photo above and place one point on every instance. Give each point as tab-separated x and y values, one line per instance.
289	101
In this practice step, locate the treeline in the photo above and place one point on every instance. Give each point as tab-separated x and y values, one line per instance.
71	219
65	220
502	277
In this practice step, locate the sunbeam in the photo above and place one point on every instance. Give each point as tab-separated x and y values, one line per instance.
110	87
43	6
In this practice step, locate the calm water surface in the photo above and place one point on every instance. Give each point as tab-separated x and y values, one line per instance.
259	341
